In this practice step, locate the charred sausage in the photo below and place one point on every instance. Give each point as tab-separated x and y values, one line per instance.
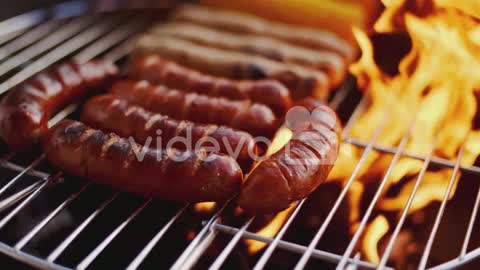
156	69
25	111
244	23
301	81
112	114
297	169
116	162
257	119
330	62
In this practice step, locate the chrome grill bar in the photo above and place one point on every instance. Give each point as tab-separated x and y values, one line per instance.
100	35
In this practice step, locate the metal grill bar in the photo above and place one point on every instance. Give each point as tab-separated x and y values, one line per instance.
441	210
94	254
59	250
231	245
42	46
468	234
393	238
20	244
369	211
299	249
339	97
27	39
434	160
146	250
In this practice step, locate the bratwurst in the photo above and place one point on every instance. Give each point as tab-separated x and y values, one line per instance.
170	174
297	169
25	111
156	69
112	114
257	119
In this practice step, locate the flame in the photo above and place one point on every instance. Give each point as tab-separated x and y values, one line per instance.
281	138
205	207
270	230
432	97
373	234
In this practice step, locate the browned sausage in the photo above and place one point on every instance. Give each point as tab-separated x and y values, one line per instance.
116	162
330	62
25	111
108	112
245	23
301	81
257	119
297	169
159	70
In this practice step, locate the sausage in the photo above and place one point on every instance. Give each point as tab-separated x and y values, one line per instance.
25	111
171	174
301	81
244	23
156	69
330	62
108	112
297	169
254	118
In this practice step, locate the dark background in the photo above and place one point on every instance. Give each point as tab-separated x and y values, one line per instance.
14	7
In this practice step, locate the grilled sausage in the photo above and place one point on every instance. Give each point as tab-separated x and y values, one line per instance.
244	23
254	118
301	81
155	69
116	162
25	111
330	62
112	114
297	169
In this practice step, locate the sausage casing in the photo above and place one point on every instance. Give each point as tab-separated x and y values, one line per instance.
297	169
245	23
257	119
116	162
25	111
108	112
330	62
156	69
301	81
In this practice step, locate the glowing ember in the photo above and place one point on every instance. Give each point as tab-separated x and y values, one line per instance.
204	207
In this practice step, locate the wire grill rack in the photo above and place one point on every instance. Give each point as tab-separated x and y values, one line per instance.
39	39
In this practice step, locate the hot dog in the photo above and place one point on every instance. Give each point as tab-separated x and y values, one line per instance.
245	23
112	114
156	69
301	81
254	118
116	162
25	111
297	169
330	62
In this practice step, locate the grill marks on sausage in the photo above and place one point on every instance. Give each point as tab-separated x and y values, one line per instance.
274	49
108	159
108	112
295	170
158	70
254	118
25	111
301	81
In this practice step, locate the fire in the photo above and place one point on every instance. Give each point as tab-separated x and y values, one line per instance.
269	231
374	233
205	207
432	99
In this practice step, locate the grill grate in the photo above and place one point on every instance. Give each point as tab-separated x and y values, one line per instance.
37	43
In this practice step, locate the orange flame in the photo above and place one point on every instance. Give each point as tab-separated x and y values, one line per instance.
432	96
